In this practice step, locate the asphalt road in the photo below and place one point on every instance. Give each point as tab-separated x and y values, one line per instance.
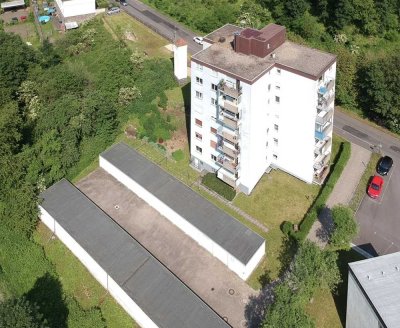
379	219
161	24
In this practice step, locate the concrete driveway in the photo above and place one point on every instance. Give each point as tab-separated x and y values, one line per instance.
379	219
219	287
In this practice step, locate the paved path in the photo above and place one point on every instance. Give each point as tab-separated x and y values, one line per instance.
342	193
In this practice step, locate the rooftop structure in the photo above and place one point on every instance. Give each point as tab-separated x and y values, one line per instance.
147	290
374	292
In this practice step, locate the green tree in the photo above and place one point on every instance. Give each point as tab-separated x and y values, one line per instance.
20	313
253	15
379	82
10	127
345	227
296	8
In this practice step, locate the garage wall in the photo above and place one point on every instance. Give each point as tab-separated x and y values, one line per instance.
203	240
254	261
101	276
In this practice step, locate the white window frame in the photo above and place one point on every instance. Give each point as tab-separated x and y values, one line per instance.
199	80
198	136
199	95
277	99
199	149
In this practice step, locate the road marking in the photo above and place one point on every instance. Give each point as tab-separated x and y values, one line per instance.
346	132
386	184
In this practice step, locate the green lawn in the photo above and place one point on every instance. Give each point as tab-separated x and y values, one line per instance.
145	40
78	282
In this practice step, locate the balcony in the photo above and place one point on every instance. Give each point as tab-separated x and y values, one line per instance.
325	88
322	145
324	117
321	132
320	175
230	91
231	106
233	153
321	161
227	177
325	101
233	138
230	123
230	165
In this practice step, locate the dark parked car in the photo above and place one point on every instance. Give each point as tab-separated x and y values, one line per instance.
123	2
384	165
375	187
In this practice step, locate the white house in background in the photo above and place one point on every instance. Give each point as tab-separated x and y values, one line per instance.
373	293
260	101
71	8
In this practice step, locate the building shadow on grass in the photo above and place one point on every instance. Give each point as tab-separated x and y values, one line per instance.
340	295
186	102
47	294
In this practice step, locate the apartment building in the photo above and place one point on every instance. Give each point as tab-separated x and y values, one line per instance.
261	101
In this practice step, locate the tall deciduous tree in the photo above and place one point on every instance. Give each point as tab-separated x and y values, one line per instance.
19	313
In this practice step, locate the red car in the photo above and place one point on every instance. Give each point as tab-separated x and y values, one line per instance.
375	187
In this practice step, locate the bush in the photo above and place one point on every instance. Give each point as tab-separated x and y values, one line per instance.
337	167
287	227
178	155
345	227
211	181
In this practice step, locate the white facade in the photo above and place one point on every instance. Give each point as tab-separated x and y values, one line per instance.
97	271
180	60
283	119
242	270
71	8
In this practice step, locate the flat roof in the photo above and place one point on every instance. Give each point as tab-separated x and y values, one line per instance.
240	241
379	277
157	291
221	56
12	4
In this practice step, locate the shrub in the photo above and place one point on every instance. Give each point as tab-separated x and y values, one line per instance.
287	227
345	227
211	181
178	155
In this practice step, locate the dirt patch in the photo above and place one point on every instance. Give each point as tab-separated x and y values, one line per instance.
130	36
9	14
179	138
24	30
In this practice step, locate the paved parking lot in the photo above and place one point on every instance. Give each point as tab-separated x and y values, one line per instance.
379	219
219	287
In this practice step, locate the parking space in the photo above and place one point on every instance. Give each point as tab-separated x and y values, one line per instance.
379	218
223	290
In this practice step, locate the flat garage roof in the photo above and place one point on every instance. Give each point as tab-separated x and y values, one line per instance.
160	294
222	228
12	4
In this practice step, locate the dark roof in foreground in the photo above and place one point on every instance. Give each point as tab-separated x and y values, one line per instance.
379	277
291	56
160	294
226	231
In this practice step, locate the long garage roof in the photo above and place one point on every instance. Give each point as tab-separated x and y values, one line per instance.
158	292
226	231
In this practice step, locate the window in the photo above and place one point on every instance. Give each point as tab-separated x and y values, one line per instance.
199	80
277	99
275	142
199	136
213	144
199	67
276	127
213	157
213	130
198	122
278	71
277	87
269	87
266	145
275	156
213	101
198	149
199	95
214	87
267	131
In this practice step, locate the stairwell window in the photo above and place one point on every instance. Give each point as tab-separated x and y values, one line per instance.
199	80
199	136
199	95
275	142
214	87
198	149
277	99
213	101
276	127
213	157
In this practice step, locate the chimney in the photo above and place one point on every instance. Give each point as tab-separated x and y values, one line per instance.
180	59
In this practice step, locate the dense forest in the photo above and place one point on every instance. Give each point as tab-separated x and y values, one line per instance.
364	34
60	105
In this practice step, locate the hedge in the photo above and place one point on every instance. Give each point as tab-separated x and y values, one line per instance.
211	181
337	168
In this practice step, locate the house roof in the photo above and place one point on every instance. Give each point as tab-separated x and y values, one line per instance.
157	291
223	229
221	56
379	278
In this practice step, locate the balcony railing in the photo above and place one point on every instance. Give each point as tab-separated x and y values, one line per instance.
233	153
324	116
325	88
322	145
321	161
231	106
223	175
324	131
325	101
230	91
230	165
233	138
230	123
